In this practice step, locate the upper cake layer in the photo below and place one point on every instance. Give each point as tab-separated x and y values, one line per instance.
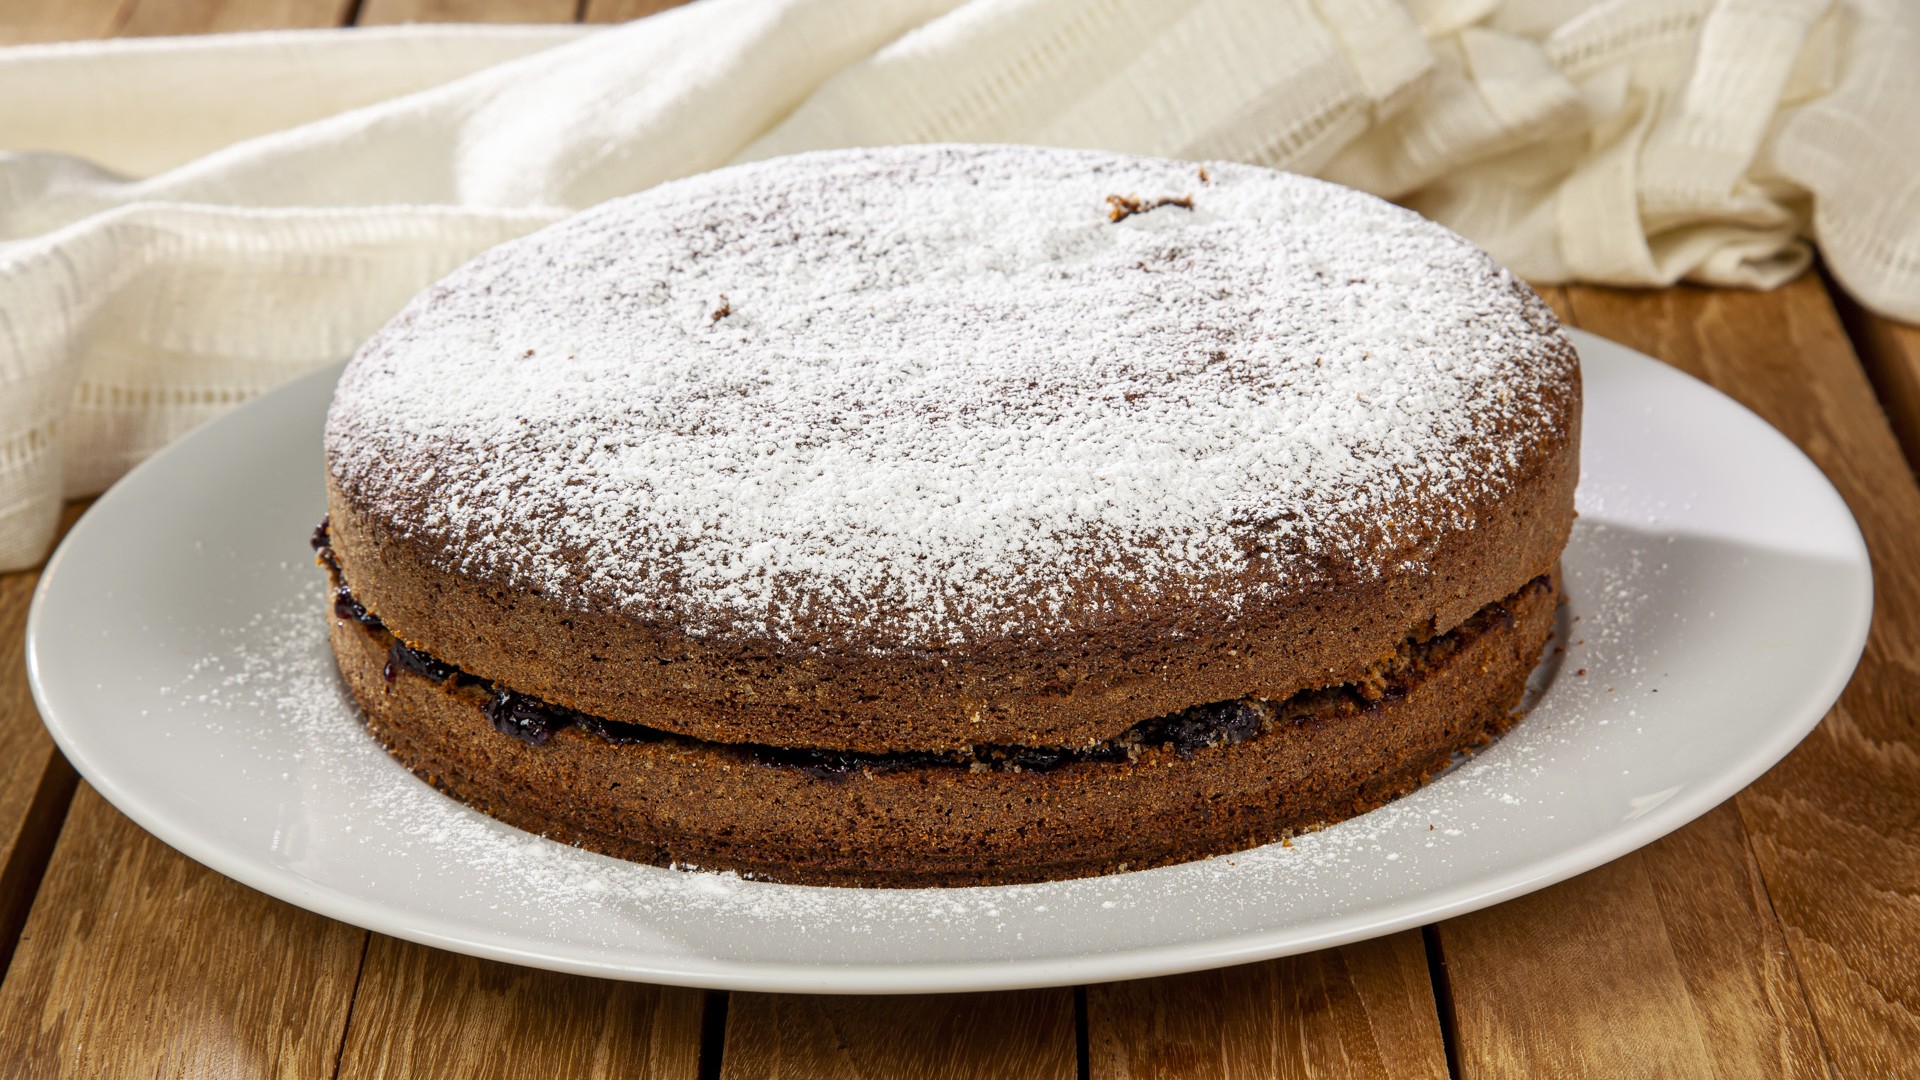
911	399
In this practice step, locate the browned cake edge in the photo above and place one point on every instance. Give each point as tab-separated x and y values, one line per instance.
1327	756
1070	692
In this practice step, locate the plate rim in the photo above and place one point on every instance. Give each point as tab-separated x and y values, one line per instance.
1433	905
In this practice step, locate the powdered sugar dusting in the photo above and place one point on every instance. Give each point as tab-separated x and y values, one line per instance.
181	659
937	393
273	686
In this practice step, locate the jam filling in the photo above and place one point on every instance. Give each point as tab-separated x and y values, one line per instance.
1220	723
400	658
344	605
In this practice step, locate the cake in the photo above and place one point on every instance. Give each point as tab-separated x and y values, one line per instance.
943	515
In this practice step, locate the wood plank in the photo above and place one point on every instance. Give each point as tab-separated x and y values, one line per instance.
1667	962
377	12
34	802
615	11
1835	828
1026	1035
36	783
1576	980
1556	298
424	1013
147	18
1890	352
28	21
139	962
1732	950
1363	1010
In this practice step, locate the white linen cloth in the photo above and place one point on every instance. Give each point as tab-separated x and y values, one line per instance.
187	222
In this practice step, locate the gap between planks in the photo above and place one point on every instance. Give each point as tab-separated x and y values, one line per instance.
1889	350
36	783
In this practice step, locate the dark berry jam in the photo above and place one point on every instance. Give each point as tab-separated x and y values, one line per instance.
346	607
402	658
618	733
322	541
528	719
1046	759
1222	723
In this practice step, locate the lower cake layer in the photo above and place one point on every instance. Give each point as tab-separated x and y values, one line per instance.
1217	779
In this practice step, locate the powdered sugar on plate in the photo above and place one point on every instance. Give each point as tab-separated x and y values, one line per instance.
275	677
918	395
1718	592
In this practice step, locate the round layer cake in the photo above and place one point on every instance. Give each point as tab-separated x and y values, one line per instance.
952	515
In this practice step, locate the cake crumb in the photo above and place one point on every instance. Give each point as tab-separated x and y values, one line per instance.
1122	207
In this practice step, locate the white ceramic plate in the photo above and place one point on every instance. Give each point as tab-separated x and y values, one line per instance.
1719	597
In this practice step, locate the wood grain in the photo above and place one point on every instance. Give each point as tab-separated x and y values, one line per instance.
155	17
1890	352
1556	298
139	962
1835	828
613	11
1363	1010
1732	951
1025	1035
424	1013
36	783
1576	980
376	12
35	804
1667	962
27	21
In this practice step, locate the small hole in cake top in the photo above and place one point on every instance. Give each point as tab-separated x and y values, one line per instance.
922	395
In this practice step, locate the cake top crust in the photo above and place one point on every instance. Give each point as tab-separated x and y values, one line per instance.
916	397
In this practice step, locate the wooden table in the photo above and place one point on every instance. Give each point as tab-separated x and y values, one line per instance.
1778	935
